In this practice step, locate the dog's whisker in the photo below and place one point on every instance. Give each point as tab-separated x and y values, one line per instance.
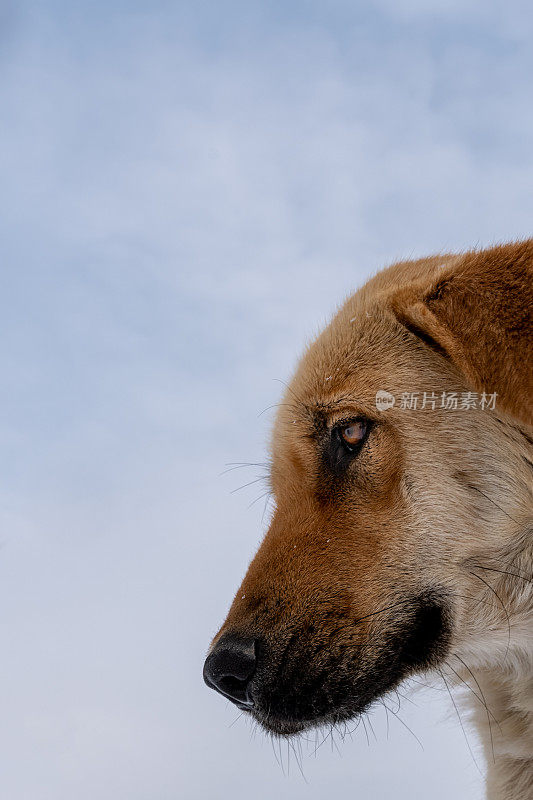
396	715
480	699
461	723
250	483
233	466
495	593
266	494
504	572
366	731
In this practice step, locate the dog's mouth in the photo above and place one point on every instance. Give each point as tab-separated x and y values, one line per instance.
291	713
310	680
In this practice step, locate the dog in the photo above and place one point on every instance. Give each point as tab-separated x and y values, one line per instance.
402	536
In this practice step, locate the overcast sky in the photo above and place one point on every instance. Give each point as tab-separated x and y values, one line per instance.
187	191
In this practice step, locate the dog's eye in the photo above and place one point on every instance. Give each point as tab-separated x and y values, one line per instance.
345	441
353	434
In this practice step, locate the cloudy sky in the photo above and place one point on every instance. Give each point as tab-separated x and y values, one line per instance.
188	189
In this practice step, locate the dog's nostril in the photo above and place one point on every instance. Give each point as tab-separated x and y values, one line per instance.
229	668
231	686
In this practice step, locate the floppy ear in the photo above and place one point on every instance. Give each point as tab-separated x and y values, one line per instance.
479	314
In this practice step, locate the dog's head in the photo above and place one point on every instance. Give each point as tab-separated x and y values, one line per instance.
398	474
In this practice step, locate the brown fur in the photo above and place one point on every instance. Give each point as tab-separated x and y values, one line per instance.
416	553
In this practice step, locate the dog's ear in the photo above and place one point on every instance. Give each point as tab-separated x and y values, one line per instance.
478	313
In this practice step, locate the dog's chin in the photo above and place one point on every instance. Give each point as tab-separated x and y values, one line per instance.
291	726
282	727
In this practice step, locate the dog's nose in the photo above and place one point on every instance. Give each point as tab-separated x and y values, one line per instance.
229	667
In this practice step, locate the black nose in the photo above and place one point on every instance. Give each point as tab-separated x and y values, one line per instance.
229	667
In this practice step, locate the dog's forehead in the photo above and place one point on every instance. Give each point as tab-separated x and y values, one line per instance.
349	360
364	348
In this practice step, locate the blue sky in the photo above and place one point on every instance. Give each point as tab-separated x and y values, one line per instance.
187	192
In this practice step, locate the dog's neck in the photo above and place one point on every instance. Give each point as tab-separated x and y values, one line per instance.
500	676
509	697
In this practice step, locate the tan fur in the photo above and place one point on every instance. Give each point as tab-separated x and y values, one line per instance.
435	499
